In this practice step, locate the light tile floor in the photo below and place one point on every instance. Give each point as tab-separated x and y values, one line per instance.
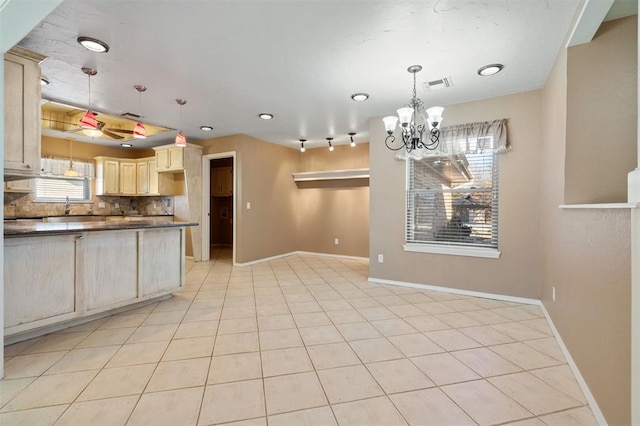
303	340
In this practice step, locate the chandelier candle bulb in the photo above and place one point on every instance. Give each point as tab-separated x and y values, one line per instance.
404	114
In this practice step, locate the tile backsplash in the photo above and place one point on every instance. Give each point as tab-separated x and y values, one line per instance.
23	205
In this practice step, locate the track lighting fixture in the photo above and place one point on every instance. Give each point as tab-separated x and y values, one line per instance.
302	148
330	146
351	135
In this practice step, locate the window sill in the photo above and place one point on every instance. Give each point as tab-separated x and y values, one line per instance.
601	206
453	250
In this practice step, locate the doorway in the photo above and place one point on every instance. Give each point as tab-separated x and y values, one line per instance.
219	205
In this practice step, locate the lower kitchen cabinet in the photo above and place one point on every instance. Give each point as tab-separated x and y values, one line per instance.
109	268
157	275
40	280
55	279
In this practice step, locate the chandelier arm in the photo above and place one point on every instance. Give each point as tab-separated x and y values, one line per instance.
392	138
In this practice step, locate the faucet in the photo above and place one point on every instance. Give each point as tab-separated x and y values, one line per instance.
67	207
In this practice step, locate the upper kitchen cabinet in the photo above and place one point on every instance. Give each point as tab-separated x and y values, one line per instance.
222	182
169	158
21	113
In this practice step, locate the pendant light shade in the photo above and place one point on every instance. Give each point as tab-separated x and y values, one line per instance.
181	140
70	172
89	121
139	132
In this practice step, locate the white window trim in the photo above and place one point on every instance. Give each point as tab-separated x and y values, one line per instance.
485	252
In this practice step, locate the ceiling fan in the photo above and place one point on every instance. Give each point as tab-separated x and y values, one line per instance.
101	124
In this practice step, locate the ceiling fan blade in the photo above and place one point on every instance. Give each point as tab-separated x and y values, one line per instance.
112	135
121	131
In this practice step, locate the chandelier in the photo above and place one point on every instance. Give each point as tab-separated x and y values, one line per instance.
418	131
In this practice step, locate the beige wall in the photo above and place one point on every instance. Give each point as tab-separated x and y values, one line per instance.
517	271
339	209
285	217
602	113
264	170
586	256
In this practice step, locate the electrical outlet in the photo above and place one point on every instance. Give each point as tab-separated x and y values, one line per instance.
101	205
248	206
553	293
336	241
380	258
116	205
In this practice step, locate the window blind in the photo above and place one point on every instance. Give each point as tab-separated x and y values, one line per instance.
452	199
55	187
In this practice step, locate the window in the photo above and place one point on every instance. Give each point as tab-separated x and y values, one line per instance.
452	194
55	187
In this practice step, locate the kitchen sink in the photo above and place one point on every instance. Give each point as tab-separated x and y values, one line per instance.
65	219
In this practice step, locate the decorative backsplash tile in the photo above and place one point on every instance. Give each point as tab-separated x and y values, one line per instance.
23	205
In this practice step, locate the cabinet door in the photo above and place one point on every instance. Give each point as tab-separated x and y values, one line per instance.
152	177
162	159
176	158
142	178
21	114
111	177
128	177
110	268
161	260
227	181
39	278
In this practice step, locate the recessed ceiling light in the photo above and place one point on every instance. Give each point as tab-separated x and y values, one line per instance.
206	128
491	69
93	44
265	116
44	81
359	97
126	145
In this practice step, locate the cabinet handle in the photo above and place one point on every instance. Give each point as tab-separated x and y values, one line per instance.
28	166
79	237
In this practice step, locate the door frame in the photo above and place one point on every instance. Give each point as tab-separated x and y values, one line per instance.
206	202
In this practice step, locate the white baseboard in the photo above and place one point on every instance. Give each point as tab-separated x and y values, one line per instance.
266	259
574	368
484	295
339	256
293	253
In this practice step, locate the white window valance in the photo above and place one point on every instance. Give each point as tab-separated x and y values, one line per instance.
468	138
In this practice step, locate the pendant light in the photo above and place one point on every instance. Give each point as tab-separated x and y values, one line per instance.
353	143
88	121
330	146
139	132
181	139
70	172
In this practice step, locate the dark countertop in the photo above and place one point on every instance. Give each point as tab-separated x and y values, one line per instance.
85	215
31	229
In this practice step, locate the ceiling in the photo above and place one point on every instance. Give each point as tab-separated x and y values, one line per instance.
299	60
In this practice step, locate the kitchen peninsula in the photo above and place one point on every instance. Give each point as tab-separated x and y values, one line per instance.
61	274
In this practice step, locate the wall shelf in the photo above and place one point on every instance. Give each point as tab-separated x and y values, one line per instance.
331	175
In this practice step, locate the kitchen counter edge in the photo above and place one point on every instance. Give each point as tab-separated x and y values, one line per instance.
12	230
